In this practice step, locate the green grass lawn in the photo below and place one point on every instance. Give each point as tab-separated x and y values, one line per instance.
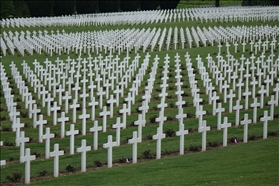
254	163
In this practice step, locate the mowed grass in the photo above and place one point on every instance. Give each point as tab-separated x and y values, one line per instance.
253	163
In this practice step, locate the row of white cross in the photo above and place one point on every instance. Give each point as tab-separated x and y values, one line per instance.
126	40
219	69
207	14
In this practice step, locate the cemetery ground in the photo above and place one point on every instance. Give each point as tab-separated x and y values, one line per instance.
252	163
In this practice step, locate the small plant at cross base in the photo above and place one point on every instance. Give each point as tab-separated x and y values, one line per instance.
213	144
15	177
273	133
70	168
122	160
42	172
169	132
98	163
194	148
147	154
149	136
252	137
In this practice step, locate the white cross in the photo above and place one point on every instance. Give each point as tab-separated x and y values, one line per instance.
135	140
62	120
118	126
261	92
111	101
272	102
265	119
124	112
84	116
22	140
95	129
203	129
246	121
109	146
200	114
255	104
16	127
230	97
47	137
246	94
74	106
72	132
140	123
41	122
56	153
225	126
276	90
83	149
181	133
159	136
35	111
219	110
48	100
104	114
55	108
129	99
214	98
27	159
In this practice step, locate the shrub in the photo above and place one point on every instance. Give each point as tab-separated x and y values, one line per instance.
15	177
37	154
231	139
11	158
166	152
272	133
70	168
190	130
42	172
24	114
194	148
3	118
169	132
122	160
147	154
149	137
7	128
8	143
252	137
152	119
170	118
98	163
213	144
171	105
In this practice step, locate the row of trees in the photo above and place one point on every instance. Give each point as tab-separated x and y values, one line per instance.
27	8
37	8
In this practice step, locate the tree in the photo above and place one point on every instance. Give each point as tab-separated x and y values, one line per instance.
149	4
63	7
164	4
217	3
21	9
126	5
7	8
86	6
108	6
40	8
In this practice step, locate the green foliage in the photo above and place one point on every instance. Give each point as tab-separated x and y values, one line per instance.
15	177
98	163
164	4
194	148
21	9
42	172
213	144
149	5
108	6
7	8
147	154
70	168
40	8
127	5
85	6
63	7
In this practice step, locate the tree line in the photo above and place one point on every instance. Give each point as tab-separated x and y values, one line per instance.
31	8
37	8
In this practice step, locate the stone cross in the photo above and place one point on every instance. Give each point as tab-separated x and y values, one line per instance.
93	103
104	113
74	106
111	101
22	140
67	97
225	126
230	97
83	117
219	110
62	120
124	112
272	102
237	107
109	146
246	121
95	129
255	105
83	149
118	126
55	108
200	114
27	159
55	154
214	98
41	122
140	123
47	137
16	126
265	119
35	111
135	140
261	92
203	129
181	133
72	132
48	100
159	136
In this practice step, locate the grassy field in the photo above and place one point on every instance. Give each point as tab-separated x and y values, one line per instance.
254	163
